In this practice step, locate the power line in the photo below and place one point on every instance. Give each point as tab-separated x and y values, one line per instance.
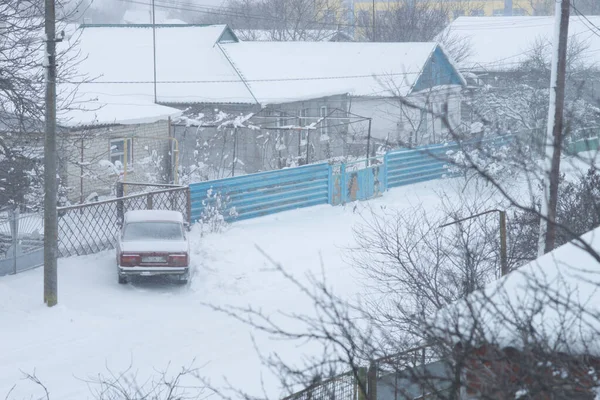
592	27
219	11
312	78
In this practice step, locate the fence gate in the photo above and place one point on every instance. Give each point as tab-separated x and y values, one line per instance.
359	180
21	241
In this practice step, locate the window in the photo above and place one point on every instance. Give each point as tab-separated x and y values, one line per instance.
153	231
323	124
117	151
303	120
281	121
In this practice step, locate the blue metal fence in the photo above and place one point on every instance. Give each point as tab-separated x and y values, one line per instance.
264	193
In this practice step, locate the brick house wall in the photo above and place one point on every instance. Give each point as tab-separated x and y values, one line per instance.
84	157
493	373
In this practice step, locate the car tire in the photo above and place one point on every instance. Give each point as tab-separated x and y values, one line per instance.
122	279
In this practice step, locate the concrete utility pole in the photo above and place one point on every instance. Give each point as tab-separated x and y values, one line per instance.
374	39
50	181
154	47
553	142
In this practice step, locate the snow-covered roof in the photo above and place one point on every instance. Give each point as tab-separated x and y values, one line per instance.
280	72
554	298
90	108
190	68
501	43
153	215
207	64
265	35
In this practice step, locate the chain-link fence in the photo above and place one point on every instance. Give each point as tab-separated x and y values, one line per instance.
341	387
90	228
418	373
21	241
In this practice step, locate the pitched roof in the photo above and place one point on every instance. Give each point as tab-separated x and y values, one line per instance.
290	71
554	298
189	67
207	64
501	43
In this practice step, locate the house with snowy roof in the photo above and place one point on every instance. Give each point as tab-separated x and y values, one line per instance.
496	46
532	334
282	83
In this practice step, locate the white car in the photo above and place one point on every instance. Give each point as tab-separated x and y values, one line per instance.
153	242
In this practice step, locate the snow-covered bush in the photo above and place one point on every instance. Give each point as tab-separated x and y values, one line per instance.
496	161
215	210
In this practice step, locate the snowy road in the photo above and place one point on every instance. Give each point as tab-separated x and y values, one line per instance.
100	324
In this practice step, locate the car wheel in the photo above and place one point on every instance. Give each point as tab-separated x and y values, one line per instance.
122	279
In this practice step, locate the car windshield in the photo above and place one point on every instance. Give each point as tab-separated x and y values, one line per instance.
153	231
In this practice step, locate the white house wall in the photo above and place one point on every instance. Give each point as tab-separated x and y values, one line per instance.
392	121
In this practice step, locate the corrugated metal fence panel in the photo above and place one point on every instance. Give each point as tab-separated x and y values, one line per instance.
264	193
408	166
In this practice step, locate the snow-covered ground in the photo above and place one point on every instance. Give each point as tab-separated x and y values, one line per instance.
149	324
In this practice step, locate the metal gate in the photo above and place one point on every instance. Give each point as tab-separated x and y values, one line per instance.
21	241
359	180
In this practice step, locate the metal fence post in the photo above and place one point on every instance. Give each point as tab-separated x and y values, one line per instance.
372	381
330	184
14	227
362	383
149	201
385	173
343	184
189	204
120	202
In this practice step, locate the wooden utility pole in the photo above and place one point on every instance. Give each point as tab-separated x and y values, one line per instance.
553	142
50	163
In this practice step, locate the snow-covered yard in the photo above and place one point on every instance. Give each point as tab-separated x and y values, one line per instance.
99	324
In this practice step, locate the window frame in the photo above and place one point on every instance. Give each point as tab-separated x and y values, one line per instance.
323	126
121	154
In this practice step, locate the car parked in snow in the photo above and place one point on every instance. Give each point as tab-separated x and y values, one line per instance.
153	242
